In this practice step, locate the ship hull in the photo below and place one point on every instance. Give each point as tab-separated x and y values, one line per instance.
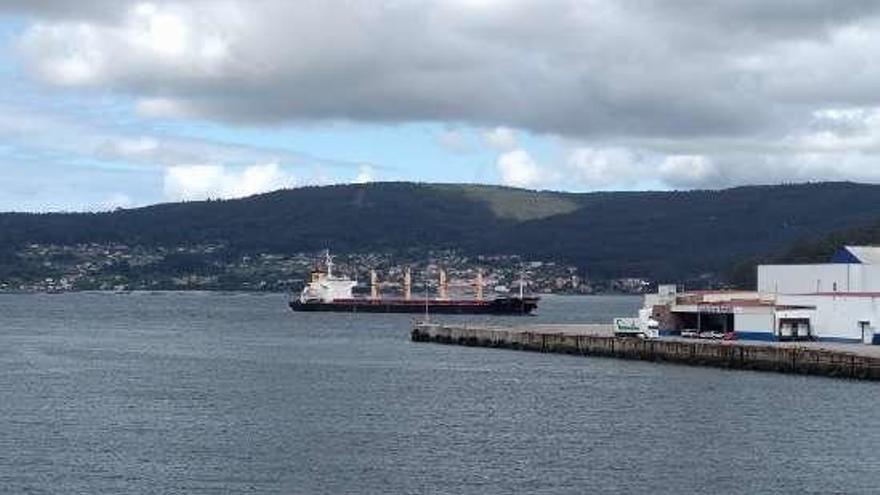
500	306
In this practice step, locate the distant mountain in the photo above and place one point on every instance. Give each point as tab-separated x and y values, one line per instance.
665	235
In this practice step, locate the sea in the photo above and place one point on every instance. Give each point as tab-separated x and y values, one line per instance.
228	393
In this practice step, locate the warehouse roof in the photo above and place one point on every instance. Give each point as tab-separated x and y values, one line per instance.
867	255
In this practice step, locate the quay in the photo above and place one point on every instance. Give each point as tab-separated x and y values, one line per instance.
810	358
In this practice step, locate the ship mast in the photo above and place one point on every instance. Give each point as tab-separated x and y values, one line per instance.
374	285
407	284
328	262
479	285
443	286
427	316
521	284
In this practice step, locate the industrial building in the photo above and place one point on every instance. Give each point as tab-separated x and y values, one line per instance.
835	301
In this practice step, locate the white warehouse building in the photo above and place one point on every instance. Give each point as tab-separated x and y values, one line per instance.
826	278
836	301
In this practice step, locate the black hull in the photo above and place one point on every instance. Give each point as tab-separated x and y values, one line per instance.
501	306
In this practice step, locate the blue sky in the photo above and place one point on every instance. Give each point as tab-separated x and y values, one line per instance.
125	103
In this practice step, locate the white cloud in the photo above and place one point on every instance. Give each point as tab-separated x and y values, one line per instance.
366	173
163	32
604	167
688	171
128	147
83	62
839	130
455	141
149	41
500	139
57	133
161	108
669	94
570	67
133	169
114	201
195	182
517	168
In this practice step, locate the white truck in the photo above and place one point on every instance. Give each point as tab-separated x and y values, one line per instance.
643	326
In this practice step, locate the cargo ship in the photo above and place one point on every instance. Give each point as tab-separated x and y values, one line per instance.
328	292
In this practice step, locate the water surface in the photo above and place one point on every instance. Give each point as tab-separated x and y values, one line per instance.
232	393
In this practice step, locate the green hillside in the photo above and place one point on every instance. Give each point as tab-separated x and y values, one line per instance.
808	250
664	235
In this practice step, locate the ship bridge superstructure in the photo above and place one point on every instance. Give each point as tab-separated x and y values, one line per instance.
326	287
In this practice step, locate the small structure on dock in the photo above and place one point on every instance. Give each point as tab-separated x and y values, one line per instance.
644	326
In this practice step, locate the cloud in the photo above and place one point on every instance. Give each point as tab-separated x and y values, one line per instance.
128	147
455	141
114	201
57	133
659	93
500	139
164	37
197	182
55	161
366	173
517	168
600	168
565	67
687	171
162	108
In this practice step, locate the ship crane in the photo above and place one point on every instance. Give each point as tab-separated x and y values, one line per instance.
407	284
328	263
374	285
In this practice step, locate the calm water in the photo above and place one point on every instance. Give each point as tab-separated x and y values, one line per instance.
200	393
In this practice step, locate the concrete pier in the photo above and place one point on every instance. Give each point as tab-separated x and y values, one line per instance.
598	340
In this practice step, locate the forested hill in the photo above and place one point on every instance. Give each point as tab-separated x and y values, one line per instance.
807	250
665	235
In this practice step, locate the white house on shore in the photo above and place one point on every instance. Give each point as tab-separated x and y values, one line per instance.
834	301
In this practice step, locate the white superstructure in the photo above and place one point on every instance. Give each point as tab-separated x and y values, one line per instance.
325	287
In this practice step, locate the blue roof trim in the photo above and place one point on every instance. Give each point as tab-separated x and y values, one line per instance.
844	255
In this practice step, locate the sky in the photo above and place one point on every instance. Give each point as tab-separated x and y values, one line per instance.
117	104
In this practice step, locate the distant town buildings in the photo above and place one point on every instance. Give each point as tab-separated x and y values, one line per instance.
120	267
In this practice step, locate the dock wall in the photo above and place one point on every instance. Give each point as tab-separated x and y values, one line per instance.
784	359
